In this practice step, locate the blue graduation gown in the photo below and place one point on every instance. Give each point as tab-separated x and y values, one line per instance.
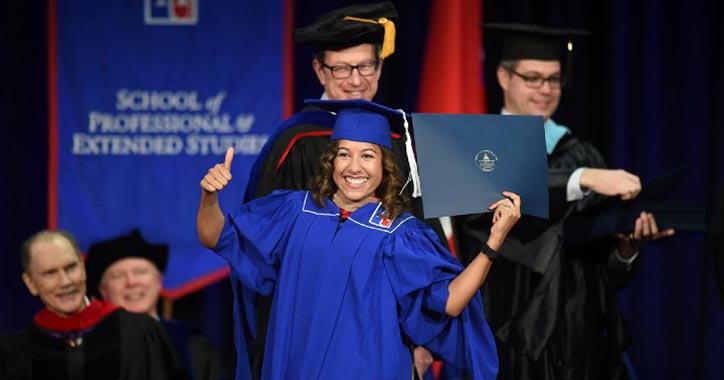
350	297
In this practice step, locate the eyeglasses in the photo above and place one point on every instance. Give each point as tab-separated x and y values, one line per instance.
535	81
345	71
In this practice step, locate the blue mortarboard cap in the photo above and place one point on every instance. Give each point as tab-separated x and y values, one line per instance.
361	120
360	125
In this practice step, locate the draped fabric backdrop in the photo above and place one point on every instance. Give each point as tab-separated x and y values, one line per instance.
648	90
667	110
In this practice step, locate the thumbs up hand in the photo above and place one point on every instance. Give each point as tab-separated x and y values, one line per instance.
220	175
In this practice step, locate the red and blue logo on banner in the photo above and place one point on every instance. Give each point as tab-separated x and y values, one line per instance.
170	11
145	98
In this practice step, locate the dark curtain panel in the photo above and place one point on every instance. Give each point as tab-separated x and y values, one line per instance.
667	108
24	155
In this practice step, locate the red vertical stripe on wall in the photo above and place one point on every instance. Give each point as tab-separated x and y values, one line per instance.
52	114
288	64
452	71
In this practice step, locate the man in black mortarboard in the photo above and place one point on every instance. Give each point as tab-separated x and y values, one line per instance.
76	338
350	45
552	307
128	271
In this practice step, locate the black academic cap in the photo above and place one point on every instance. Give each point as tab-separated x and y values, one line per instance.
352	26
103	254
524	41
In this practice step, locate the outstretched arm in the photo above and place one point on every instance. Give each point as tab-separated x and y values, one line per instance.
611	182
466	284
209	219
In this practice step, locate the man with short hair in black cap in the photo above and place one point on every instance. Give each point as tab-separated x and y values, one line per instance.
128	271
558	320
350	46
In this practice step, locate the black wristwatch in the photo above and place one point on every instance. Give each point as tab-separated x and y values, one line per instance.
491	253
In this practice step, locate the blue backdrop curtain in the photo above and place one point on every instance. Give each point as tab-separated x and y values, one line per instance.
648	90
667	110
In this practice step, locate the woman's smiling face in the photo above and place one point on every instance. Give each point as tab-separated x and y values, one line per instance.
357	173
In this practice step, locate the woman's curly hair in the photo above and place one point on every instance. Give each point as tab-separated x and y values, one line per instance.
394	202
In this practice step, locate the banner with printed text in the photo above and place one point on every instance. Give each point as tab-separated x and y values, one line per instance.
150	94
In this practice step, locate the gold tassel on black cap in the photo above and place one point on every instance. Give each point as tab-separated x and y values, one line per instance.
569	62
388	41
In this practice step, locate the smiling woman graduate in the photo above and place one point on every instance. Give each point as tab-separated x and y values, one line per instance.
357	280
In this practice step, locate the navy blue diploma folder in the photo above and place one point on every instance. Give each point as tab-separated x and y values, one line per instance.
657	197
466	161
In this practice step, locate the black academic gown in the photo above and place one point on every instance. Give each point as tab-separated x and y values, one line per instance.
552	308
200	359
121	345
289	161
